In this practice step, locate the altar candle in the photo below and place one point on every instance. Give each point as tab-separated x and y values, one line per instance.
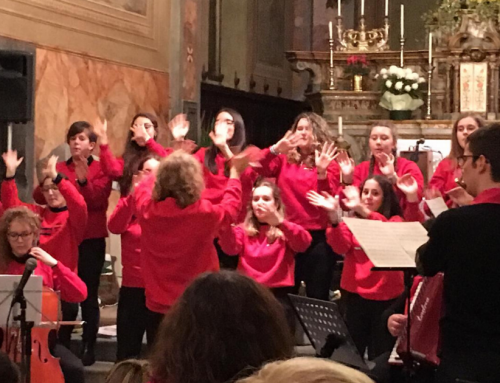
339	8
362	7
430	48
340	126
402	20
386	7
330	30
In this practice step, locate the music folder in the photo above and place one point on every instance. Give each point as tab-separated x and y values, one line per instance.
32	293
388	245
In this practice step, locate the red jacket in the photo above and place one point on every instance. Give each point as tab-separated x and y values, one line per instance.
215	184
404	166
62	229
357	276
295	181
124	222
113	167
59	278
271	264
443	178
95	192
177	244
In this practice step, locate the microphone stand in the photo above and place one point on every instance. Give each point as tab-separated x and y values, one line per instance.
26	327
416	154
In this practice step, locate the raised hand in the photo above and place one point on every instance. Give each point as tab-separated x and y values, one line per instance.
11	162
81	168
189	146
432	193
101	130
386	165
459	196
396	324
274	218
347	165
324	158
287	143
43	256
323	200
140	135
219	135
241	161
136	180
50	170
408	185
352	200
179	127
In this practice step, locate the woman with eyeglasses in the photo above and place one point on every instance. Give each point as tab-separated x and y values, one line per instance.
443	182
20	228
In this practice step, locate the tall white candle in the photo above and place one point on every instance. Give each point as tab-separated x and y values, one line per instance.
430	48
402	20
362	7
386	7
340	8
340	126
9	137
330	30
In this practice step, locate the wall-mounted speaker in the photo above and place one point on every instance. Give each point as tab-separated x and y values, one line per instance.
16	86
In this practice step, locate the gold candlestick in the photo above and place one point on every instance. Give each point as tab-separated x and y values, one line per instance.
402	54
428	116
331	85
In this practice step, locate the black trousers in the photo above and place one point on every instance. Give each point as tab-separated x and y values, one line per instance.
131	322
226	262
71	366
90	262
468	366
315	267
365	323
281	294
153	321
69	313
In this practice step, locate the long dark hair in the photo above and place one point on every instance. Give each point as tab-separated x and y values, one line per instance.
224	327
134	155
390	202
392	128
237	141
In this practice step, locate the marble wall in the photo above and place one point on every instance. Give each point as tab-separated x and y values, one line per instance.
71	87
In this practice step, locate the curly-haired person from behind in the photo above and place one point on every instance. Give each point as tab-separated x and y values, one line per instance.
129	371
306	370
224	327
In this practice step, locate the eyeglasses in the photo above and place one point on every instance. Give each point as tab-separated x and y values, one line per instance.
146	126
461	160
227	121
52	187
16	236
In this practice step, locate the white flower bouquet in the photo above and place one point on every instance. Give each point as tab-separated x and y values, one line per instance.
400	89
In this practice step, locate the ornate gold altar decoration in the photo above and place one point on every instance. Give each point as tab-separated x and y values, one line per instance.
351	40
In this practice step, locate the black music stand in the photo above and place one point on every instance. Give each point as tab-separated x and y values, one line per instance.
319	319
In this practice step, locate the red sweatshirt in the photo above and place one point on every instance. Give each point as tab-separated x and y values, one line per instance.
215	184
113	167
95	192
124	222
295	181
443	178
62	229
177	244
271	264
404	166
58	278
357	276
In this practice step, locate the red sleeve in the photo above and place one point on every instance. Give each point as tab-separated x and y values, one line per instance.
340	238
410	167
200	155
271	164
412	212
77	209
72	288
96	191
360	173
229	208
38	196
374	216
440	176
332	181
110	165
121	217
10	197
142	194
297	238
231	239
156	148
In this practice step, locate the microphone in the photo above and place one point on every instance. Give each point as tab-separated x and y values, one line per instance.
421	141
29	267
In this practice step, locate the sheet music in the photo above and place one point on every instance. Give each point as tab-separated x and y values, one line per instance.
411	235
437	205
381	244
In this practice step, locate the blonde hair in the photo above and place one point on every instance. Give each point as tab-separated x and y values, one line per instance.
252	224
180	177
306	370
21	213
130	371
321	136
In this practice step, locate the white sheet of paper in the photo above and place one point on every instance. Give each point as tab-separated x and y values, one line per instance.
380	244
411	235
437	205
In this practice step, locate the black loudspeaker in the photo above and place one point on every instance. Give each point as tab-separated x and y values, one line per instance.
16	86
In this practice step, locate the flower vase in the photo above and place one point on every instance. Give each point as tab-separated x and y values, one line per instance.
358	83
400	115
